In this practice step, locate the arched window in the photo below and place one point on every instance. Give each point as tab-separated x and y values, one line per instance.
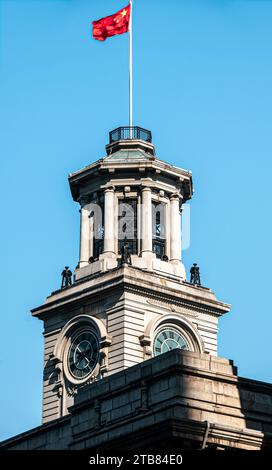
171	331
127	225
158	229
97	214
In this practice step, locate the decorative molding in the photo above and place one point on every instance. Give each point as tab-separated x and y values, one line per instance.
207	329
188	305
145	342
51	333
59	387
71	389
105	341
97	409
146	188
174	196
173	308
55	360
144	397
109	187
189	330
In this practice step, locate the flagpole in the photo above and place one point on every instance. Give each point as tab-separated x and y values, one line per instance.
130	73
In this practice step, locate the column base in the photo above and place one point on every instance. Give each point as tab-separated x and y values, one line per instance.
148	254
88	270
145	260
108	255
108	260
178	268
82	264
96	267
149	262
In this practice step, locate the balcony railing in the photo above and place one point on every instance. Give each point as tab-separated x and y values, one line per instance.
130	133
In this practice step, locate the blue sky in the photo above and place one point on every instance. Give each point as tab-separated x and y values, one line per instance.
203	73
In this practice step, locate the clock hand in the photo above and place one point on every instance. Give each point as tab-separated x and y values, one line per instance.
84	351
82	358
79	362
78	350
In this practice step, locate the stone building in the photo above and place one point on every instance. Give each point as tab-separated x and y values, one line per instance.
130	346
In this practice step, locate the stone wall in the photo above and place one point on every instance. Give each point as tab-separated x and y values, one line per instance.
179	397
129	302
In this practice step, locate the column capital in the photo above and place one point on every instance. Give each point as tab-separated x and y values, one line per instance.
175	196
110	188
94	198
146	188
83	200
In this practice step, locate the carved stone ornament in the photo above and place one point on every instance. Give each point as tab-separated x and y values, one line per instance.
172	307
59	387
71	389
145	341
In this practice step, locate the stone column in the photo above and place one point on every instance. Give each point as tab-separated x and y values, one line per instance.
91	241
84	232
168	229
146	222
139	224
109	225
175	230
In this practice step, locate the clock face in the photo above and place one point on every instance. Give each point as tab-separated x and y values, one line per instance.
83	354
168	339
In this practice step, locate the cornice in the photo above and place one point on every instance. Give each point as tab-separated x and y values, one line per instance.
122	278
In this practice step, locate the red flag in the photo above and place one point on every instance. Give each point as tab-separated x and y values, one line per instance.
112	25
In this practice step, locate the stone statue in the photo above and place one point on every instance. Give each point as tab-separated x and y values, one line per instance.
125	253
66	277
195	275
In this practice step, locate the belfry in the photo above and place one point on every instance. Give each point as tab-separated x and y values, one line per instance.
124	311
130	343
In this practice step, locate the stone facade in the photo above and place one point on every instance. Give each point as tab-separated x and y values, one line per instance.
125	302
126	305
180	398
130	303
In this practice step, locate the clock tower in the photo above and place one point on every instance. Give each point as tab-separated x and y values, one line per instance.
130	298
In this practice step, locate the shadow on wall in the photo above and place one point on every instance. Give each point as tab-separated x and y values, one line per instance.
256	405
178	400
236	412
183	398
